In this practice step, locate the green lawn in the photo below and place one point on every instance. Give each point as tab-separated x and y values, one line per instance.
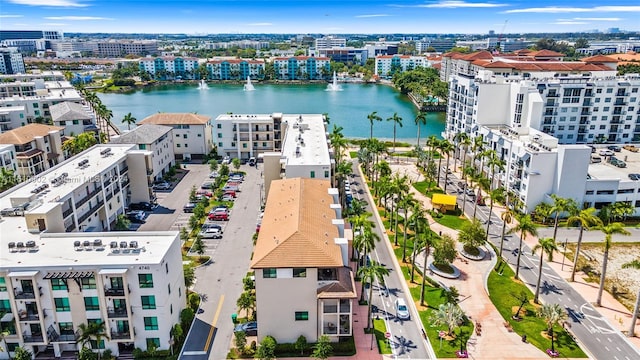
380	329
451	221
353	154
501	288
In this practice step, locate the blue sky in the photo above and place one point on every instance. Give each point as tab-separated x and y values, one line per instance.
318	16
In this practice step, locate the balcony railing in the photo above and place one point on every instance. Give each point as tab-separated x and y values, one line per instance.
19	294
67	212
65	338
120	335
114	291
32	338
88	197
117	313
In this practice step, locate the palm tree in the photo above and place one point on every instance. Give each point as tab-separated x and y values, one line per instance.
92	331
635	264
608	230
547	246
496	164
483	183
397	120
129	120
448	314
370	274
421	119
407	202
507	218
585	219
401	187
458	139
525	227
553	314
445	148
543	212
338	142
495	195
373	117
420	222
622	209
561	205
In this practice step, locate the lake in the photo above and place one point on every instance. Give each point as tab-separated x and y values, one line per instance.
347	108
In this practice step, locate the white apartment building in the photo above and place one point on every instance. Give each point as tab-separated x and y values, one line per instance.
302	67
120	48
51	283
73	117
191	133
247	135
170	66
157	139
330	42
308	295
8	157
235	69
11	61
38	147
386	65
10	116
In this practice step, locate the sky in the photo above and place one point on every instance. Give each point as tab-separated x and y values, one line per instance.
319	16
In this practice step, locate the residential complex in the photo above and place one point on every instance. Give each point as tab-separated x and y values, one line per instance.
387	65
29	41
75	118
244	136
304	285
330	42
120	48
11	61
191	133
302	67
8	157
169	67
37	147
235	69
157	139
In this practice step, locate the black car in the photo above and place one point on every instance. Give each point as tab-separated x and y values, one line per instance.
142	206
189	207
249	328
634	176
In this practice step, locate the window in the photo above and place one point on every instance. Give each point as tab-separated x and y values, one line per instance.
313	174
145	280
177	145
302	315
76	122
326	173
91	303
95	345
166	267
199	135
142	146
269	273
148	302
151	323
219	135
62	304
219	126
220	144
62	123
153	343
66	328
94	321
58	284
5	306
88	283
3	284
186	145
184	136
244	145
299	272
169	288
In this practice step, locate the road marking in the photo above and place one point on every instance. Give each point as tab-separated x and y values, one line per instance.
213	324
187	353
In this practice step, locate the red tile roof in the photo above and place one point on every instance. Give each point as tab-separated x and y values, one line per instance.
599	59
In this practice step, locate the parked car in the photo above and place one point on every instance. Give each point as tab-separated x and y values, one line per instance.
211	225
631	148
249	328
188	208
595	159
471	193
226	160
142	206
213	175
614	148
618	163
219	209
606	152
230	192
227	197
204	192
211	233
162	186
237	178
231	188
252	161
136	216
634	176
219	216
402	310
206	185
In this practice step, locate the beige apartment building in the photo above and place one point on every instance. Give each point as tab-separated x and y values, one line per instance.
38	147
303	283
191	133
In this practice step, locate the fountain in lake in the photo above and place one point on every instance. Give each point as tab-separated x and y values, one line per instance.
203	85
334	84
249	86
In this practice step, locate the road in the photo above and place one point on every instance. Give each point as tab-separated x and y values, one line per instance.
406	339
593	236
593	331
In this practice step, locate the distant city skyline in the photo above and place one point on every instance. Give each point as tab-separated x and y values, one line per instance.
318	16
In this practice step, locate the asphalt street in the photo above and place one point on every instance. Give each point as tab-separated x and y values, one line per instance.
406	338
594	333
589	236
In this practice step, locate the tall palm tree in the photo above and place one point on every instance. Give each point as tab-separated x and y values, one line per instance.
496	164
429	240
407	202
400	185
421	119
634	264
129	120
483	183
338	142
495	195
92	331
432	143
553	314
373	117
420	223
458	139
525	227
608	230
446	147
397	120
546	246
561	205
585	219
370	274
507	217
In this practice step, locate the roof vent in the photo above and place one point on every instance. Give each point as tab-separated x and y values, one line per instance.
106	152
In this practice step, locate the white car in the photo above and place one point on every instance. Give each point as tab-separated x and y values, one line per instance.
211	233
226	160
606	152
402	310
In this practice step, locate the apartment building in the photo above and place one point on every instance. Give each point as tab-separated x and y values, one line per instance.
11	61
387	65
244	136
120	48
235	69
157	139
38	147
8	157
170	67
73	117
241	44
10	116
191	133
311	295
327	42
302	68
52	283
345	55
439	45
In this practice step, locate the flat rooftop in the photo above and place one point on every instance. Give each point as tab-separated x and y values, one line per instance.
244	118
305	141
606	171
58	250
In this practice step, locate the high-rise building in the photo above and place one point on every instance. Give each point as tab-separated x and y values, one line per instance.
330	42
11	62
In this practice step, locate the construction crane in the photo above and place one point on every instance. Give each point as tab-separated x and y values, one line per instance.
499	42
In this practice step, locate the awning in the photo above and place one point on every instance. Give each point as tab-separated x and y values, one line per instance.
69	275
23	273
443	199
29	154
112	271
8	317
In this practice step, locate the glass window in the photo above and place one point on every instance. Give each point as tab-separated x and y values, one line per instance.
142	146
153	342
326	173
151	323
62	304
94	321
91	303
5	306
148	302
3	284
58	284
302	315
76	122
313	174
145	280
299	272
269	273
219	126
96	345
88	283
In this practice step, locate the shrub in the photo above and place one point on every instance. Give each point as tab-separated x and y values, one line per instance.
186	317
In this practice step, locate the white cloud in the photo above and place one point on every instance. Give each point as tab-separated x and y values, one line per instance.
10	16
559	9
372	15
570	23
77	18
597	19
450	4
54	24
260	24
56	3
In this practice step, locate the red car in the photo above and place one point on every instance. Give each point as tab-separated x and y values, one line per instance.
219	216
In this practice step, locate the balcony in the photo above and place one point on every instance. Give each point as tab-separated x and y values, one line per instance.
29	339
24	295
67	212
88	197
113	291
28	315
120	335
117	313
70	228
